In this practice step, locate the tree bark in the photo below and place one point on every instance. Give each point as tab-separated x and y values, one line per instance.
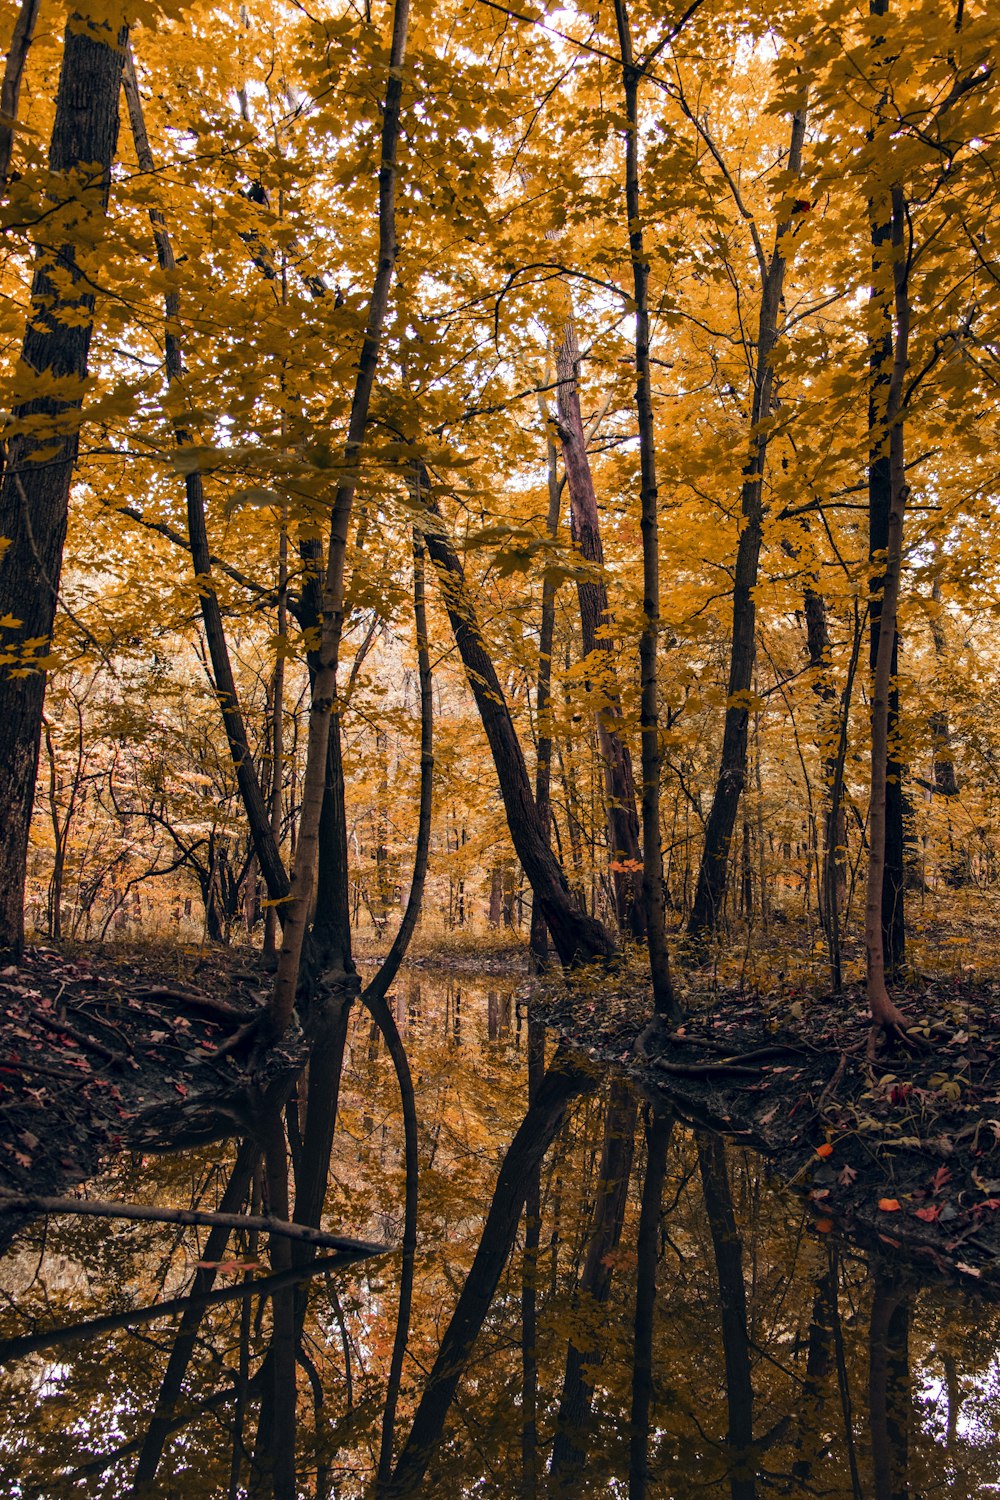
539	940
595	620
38	472
659	1126
712	874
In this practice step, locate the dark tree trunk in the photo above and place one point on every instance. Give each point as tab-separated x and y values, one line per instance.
257	811
34	496
881	355
665	1002
543	748
711	887
833	892
578	938
10	91
619	782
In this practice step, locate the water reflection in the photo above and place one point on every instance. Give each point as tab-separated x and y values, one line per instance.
604	1303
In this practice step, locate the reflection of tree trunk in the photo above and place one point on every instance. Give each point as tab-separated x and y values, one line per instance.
563	1081
889	1386
819	1364
529	1285
619	783
569	1451
274	1449
659	1125
162	1420
728	1251
578	938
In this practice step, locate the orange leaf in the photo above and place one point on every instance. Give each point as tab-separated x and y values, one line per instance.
889	1205
823	1226
825	1150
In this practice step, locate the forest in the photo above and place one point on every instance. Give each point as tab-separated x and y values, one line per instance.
499	765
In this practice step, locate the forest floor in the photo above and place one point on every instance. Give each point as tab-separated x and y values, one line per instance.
901	1152
107	1050
104	1050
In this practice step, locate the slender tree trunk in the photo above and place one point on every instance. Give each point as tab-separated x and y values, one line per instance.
34	495
819	1367
539	941
884	1013
378	987
255	806
595	620
880	503
578	938
324	692
712	875
529	1284
10	90
277	731
664	1000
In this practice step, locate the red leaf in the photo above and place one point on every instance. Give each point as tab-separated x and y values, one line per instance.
928	1214
940	1179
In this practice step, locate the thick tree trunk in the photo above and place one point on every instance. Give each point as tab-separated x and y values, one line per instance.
34	494
619	782
578	938
712	874
664	1000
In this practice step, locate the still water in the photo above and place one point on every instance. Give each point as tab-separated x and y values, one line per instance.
604	1303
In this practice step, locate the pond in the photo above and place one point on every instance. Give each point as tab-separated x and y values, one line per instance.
605	1302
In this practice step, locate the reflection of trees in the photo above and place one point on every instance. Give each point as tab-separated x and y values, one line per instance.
859	1389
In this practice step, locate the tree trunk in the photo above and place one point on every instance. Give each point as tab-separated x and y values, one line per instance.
539	940
257	811
324	690
880	363
10	91
659	1125
619	782
884	1012
664	1000
578	938
711	887
34	494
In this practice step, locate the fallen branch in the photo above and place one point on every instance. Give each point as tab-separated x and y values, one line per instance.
80	1037
191	999
27	1203
52	1338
